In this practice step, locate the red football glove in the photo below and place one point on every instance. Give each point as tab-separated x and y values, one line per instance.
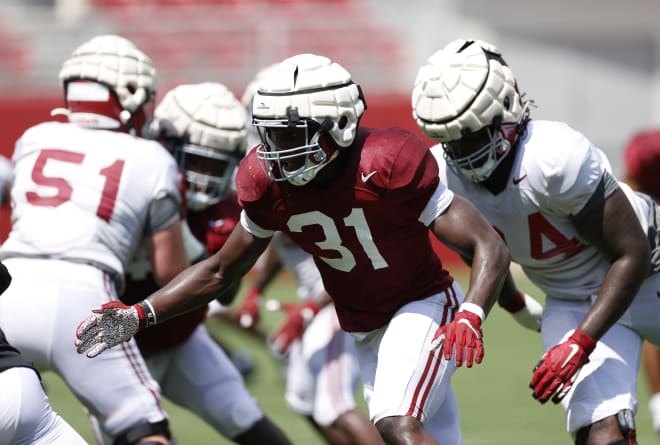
298	315
465	333
111	324
248	311
559	367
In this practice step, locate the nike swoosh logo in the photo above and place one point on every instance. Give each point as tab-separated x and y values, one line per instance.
516	181
574	350
365	178
467	323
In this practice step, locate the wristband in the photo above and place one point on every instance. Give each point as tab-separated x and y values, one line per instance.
585	340
473	308
146	314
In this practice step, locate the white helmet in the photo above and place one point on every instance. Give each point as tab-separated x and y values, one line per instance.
109	83
305	96
466	93
208	126
248	97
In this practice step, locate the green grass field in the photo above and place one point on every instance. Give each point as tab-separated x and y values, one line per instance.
496	407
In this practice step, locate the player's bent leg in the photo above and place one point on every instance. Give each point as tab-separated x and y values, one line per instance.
405	386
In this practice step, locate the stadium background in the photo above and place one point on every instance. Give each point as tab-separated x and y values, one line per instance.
594	64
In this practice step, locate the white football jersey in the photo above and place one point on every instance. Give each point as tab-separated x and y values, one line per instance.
85	195
555	173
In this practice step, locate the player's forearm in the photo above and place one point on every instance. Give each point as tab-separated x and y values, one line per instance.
490	266
191	289
618	290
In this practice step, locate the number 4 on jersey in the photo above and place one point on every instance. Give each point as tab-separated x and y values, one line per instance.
539	227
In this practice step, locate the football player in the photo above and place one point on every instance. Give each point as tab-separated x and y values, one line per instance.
641	158
578	234
205	127
86	192
361	201
322	372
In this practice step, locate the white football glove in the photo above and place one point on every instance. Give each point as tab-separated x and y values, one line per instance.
111	324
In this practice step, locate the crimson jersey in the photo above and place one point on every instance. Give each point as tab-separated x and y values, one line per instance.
211	227
365	230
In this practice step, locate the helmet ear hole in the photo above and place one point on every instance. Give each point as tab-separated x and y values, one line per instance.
343	121
506	103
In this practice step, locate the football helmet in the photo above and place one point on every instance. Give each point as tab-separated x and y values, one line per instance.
109	84
466	97
248	96
208	126
304	97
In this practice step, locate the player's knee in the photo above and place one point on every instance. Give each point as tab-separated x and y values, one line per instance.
395	429
133	435
623	423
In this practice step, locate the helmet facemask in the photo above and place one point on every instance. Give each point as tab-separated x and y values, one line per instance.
476	155
209	174
290	149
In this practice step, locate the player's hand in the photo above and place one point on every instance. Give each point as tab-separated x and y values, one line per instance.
526	311
555	374
111	324
248	311
464	332
297	317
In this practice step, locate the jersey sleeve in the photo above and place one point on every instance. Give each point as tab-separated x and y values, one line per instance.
252	186
251	181
165	208
414	177
563	177
441	198
254	228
